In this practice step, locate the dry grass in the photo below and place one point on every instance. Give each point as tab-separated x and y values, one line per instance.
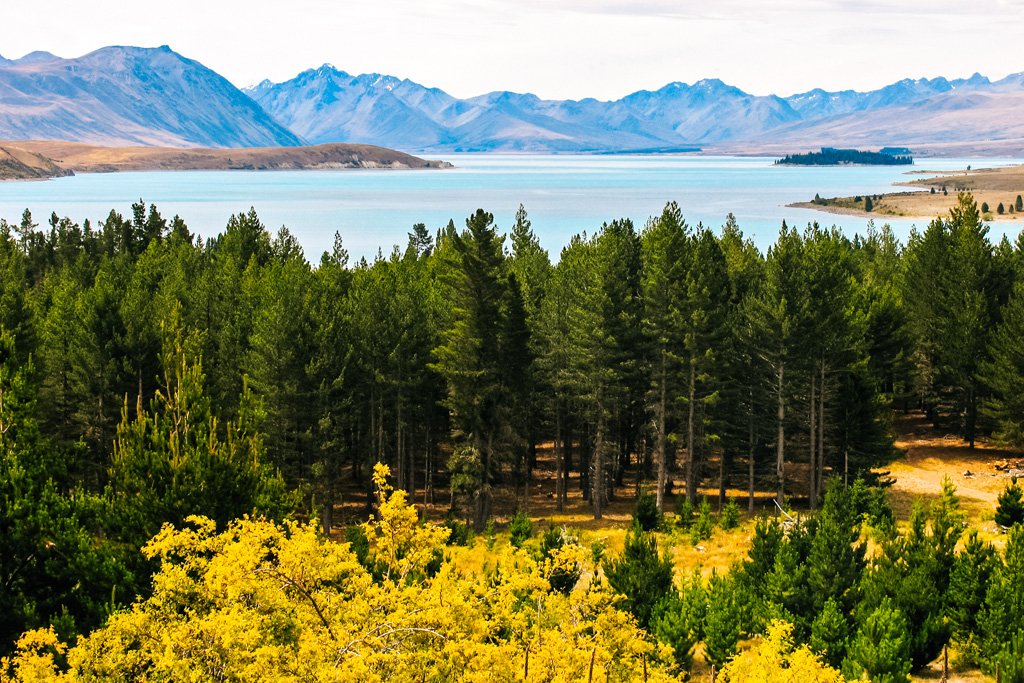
932	456
84	158
992	186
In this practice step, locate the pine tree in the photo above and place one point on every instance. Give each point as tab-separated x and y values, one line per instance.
173	461
703	314
328	370
968	584
773	328
640	575
744	386
470	358
723	623
835	561
55	572
880	650
664	249
1003	372
678	620
1003	614
830	633
950	287
529	263
617	253
912	572
280	348
1010	508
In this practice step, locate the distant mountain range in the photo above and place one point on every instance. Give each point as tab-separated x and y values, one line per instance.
127	95
130	96
326	104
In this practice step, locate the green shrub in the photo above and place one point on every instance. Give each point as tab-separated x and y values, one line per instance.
730	516
705	524
723	623
870	503
562	579
358	543
679	620
830	633
520	529
1011	660
1010	508
646	512
459	532
640	574
881	649
684	512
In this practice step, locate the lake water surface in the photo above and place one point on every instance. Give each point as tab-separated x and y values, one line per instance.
564	195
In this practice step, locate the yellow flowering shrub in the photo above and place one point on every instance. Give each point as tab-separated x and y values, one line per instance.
775	660
264	601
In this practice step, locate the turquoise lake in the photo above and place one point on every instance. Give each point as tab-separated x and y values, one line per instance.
563	195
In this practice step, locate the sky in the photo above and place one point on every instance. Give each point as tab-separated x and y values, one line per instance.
556	49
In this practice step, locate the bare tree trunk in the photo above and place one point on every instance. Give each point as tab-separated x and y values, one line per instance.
428	475
559	461
821	429
597	484
721	479
399	453
328	513
662	464
780	445
691	493
813	469
526	482
750	456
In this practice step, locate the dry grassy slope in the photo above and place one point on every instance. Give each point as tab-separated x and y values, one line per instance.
20	164
84	158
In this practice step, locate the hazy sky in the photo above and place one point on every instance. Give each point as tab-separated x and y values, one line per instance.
554	48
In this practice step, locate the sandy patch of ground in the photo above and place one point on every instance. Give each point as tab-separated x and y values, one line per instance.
989	186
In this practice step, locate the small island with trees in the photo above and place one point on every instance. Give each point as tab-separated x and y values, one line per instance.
830	156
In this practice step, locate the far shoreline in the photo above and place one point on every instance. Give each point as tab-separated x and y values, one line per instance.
992	188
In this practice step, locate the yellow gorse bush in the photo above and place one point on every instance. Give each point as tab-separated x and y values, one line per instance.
264	601
776	660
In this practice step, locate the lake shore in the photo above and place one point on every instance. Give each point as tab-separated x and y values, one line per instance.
936	196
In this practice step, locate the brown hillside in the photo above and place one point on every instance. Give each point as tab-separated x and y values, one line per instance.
20	164
84	158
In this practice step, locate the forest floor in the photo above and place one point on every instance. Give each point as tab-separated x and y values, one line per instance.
979	474
929	456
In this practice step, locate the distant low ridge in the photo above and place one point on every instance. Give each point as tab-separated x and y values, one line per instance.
20	164
55	158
